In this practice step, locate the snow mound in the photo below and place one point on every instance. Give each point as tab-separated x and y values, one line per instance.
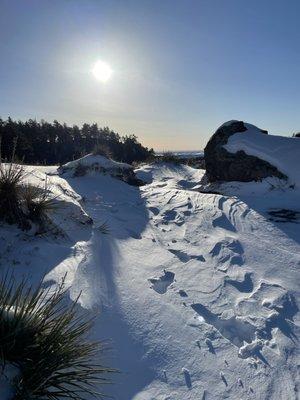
95	163
167	174
91	164
282	152
68	213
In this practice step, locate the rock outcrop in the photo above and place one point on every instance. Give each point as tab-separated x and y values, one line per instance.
222	165
91	164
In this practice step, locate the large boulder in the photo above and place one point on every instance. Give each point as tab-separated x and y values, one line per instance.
222	165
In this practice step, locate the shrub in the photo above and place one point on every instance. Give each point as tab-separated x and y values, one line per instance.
21	203
11	176
104	228
38	203
47	342
80	170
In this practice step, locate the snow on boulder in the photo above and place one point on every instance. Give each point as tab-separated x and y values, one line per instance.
96	163
280	151
240	151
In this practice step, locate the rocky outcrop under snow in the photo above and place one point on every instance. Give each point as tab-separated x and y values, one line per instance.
96	163
239	151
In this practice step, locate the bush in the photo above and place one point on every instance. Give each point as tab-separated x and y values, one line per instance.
11	176
80	170
21	203
38	203
47	342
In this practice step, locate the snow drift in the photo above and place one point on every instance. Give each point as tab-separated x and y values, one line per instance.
91	164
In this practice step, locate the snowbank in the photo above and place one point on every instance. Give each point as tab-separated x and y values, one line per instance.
68	213
282	152
91	164
95	162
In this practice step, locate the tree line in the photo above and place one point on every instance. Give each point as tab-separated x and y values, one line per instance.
55	143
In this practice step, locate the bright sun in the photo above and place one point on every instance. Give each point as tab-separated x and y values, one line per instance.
102	71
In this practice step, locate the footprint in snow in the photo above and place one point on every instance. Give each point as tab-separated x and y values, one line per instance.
228	251
223	222
154	210
232	328
275	305
133	234
184	257
244	286
223	378
187	377
182	293
161	283
210	346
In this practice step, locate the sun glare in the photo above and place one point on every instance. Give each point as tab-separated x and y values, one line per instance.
102	71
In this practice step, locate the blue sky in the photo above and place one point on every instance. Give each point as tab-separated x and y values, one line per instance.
180	68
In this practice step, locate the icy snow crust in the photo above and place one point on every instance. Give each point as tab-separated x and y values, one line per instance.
280	151
197	292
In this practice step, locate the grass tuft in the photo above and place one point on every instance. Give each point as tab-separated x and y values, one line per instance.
104	228
47	341
11	177
80	170
21	203
38	202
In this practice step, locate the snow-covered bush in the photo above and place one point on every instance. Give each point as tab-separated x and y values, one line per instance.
80	170
21	202
92	164
11	176
38	202
47	342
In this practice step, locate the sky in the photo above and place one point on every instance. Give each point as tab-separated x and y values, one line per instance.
180	67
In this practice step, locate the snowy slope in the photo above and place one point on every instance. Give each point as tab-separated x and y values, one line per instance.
198	293
282	152
93	161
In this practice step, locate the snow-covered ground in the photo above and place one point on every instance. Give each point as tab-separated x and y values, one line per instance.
198	293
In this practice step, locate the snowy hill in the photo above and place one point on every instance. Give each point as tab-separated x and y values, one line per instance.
197	292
